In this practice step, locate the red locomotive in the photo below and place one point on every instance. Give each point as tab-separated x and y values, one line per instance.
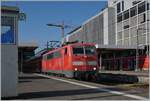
73	60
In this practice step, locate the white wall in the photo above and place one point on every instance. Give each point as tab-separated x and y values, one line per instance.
9	63
9	70
105	22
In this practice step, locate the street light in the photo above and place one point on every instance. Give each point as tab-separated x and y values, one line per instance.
137	48
62	26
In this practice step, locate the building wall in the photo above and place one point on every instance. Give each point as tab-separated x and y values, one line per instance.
118	27
9	55
9	70
111	27
99	29
128	23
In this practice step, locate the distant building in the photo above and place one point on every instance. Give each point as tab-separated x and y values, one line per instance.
9	51
25	52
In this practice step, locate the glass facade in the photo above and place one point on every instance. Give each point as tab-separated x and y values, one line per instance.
131	22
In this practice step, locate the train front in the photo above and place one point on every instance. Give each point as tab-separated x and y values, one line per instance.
84	60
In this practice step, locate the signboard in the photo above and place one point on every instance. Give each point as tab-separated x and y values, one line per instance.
7	34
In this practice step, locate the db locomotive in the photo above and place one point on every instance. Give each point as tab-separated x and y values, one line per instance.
73	60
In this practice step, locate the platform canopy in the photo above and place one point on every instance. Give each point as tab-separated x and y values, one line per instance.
115	47
28	46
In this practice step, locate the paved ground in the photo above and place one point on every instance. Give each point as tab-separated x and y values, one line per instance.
136	73
32	86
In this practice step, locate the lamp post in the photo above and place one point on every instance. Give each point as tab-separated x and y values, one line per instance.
62	26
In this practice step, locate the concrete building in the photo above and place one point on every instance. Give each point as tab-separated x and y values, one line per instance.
9	51
98	29
132	19
114	31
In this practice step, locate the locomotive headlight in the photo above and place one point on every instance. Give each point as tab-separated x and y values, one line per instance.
94	68
75	69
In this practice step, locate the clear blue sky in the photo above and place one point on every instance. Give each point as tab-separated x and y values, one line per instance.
73	13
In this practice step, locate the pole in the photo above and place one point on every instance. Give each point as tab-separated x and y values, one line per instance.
137	52
21	69
62	27
47	45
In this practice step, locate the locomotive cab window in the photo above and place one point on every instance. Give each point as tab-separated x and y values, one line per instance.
56	54
50	56
89	50
78	50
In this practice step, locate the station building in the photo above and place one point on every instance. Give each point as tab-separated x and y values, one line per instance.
25	52
118	31
9	51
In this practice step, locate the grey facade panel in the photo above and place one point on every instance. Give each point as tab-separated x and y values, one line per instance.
111	26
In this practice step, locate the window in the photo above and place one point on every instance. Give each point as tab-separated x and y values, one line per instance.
50	56
56	54
126	26
89	50
78	50
147	6
126	14
53	55
142	18
141	7
133	11
122	5
135	2
118	7
119	18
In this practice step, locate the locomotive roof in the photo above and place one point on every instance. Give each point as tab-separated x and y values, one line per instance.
73	44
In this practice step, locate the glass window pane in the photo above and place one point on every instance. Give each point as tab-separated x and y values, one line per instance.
141	7
118	7
119	17
78	50
142	18
126	15
133	11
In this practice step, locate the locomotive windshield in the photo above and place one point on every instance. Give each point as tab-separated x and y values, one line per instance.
88	50
78	50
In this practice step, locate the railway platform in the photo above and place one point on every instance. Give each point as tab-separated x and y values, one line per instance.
41	87
125	76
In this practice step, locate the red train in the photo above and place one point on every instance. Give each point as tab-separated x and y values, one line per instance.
73	60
